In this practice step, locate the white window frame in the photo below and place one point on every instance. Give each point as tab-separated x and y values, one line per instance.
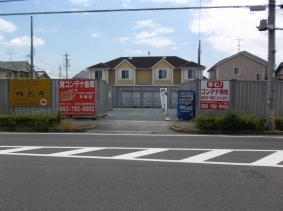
21	75
128	72
256	76
162	72
8	74
237	68
190	71
98	72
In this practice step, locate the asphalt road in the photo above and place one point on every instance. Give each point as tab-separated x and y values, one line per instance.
140	172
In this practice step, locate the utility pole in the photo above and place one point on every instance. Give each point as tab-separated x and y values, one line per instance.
271	66
239	44
66	63
31	48
199	55
60	71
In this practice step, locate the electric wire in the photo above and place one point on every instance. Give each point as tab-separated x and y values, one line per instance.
6	1
127	10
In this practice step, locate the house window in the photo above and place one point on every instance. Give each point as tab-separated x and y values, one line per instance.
259	76
21	75
237	70
192	74
125	74
98	74
8	74
162	74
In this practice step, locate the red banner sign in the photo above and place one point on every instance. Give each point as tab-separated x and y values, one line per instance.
214	95
77	97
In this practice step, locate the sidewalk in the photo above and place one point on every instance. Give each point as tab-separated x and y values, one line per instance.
129	126
138	120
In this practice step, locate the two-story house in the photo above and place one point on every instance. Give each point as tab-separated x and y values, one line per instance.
279	71
241	66
15	70
169	70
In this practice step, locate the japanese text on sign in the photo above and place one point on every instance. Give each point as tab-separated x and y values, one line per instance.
26	92
214	95
77	97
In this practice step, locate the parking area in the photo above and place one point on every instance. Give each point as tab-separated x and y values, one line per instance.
140	114
138	120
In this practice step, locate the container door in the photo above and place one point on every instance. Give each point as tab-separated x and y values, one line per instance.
147	99
126	99
136	99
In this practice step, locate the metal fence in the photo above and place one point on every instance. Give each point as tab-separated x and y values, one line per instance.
248	97
101	102
142	96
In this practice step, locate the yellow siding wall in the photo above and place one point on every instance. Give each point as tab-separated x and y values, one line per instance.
125	66
177	76
163	65
143	77
111	76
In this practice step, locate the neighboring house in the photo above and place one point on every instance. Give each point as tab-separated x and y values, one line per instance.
241	66
42	75
15	70
169	70
279	71
84	74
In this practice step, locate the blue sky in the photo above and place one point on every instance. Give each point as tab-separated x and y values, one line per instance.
91	38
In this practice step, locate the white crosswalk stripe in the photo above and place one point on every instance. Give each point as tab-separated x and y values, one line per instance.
206	156
139	153
274	159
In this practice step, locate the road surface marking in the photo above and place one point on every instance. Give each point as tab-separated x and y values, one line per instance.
205	156
139	153
75	151
7	151
272	159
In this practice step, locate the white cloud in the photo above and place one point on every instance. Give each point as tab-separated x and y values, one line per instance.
174	48
124	39
7	26
24	42
222	27
1	37
95	35
147	24
158	42
152	34
173	1
127	4
81	2
135	51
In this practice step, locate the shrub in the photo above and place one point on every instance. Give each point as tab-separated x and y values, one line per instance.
231	120
279	124
38	122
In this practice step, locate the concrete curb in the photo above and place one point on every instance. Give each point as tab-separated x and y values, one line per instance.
225	132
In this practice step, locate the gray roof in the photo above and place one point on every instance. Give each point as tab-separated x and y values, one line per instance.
84	74
15	66
148	62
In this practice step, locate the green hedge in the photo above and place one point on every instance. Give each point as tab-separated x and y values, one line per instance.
40	123
231	120
279	124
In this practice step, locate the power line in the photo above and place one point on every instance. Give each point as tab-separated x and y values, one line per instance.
127	10
6	1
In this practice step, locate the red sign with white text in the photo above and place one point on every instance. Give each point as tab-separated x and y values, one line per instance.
214	95
77	97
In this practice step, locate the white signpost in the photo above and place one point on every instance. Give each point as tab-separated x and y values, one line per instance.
215	95
164	101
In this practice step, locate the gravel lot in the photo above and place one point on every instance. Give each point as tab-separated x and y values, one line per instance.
140	114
